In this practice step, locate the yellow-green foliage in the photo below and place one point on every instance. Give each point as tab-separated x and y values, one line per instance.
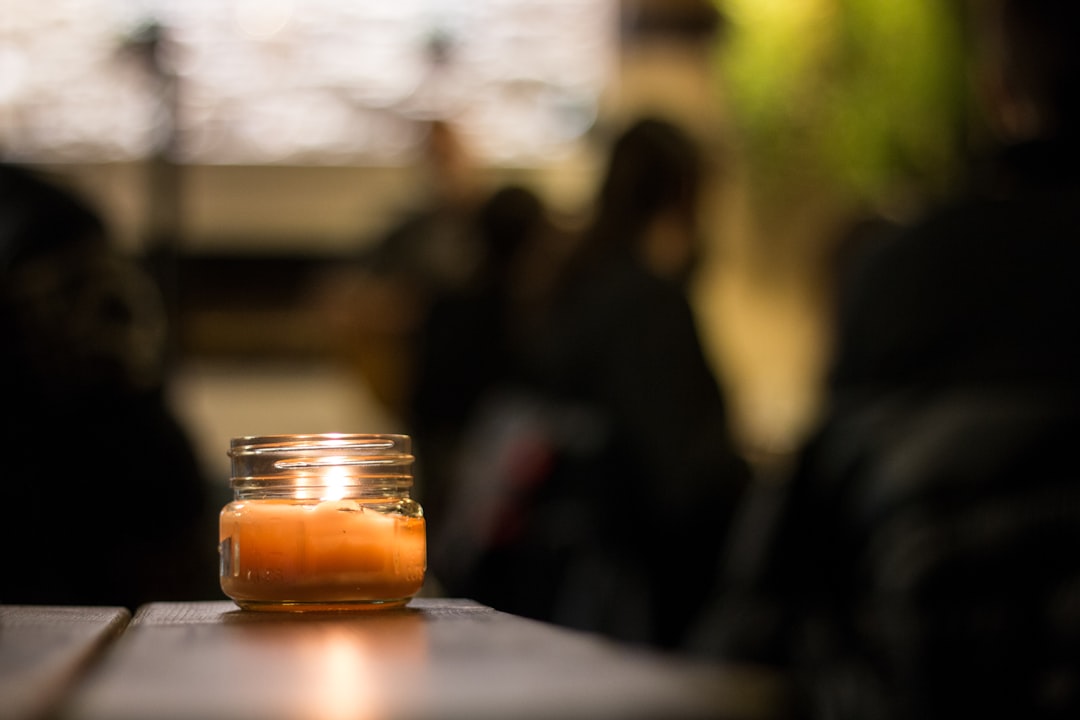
859	94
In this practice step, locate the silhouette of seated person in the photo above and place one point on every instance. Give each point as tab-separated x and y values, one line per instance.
921	560
106	501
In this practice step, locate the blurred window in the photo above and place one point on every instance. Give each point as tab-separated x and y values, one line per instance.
297	81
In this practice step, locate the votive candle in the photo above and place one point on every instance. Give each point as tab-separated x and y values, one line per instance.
322	522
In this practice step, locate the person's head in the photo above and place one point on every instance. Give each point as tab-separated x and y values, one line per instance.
650	193
77	316
449	163
654	165
38	216
509	219
1027	65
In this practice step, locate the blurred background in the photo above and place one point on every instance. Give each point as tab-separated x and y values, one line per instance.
247	148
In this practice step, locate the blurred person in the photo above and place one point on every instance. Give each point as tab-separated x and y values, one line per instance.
615	461
378	302
921	560
432	247
105	498
470	343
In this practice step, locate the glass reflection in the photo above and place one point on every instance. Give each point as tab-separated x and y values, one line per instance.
331	666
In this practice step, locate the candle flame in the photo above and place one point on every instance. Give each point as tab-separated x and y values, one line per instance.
336	480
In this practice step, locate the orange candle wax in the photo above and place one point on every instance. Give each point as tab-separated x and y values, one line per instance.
328	554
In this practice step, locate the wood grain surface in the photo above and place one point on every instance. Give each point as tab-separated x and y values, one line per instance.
43	650
444	659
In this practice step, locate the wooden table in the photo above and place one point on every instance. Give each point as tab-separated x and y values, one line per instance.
436	659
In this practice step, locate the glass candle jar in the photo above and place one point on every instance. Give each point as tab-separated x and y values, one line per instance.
322	522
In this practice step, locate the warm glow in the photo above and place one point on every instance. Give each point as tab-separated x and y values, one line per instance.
342	670
332	553
336	479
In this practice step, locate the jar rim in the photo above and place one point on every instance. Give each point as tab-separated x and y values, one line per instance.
299	463
364	443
